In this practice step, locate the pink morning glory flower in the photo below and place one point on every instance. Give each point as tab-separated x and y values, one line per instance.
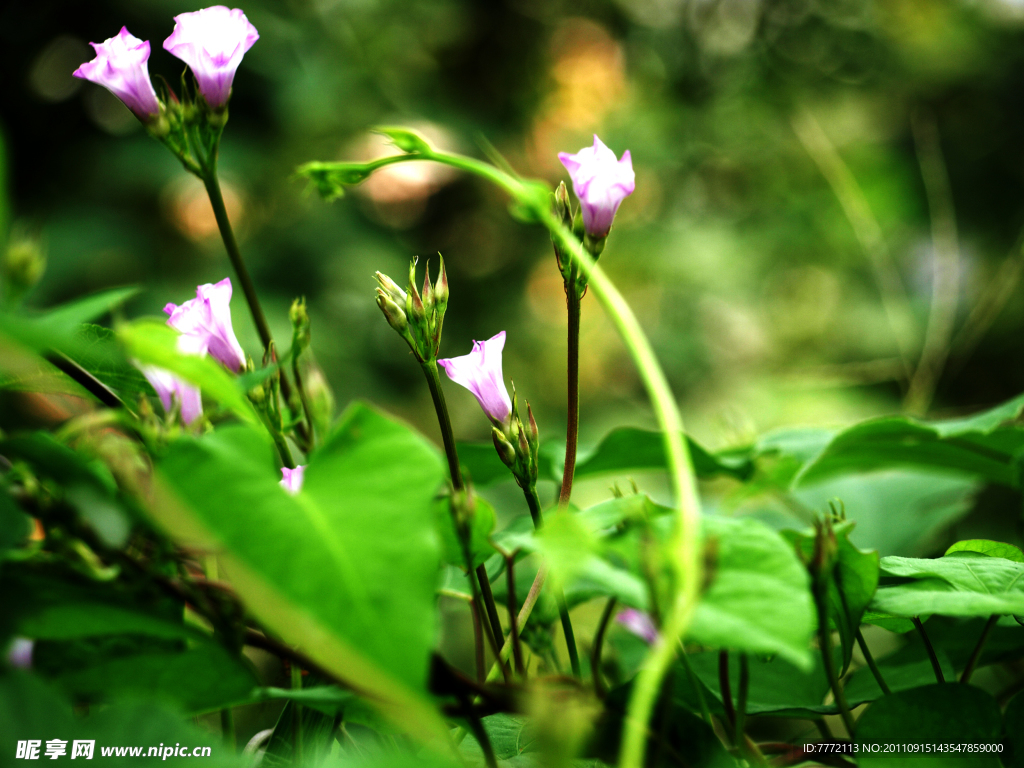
121	66
212	42
291	479
639	623
600	182
169	388
480	373
205	325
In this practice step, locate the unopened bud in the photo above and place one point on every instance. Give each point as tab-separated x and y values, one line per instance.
392	312
390	288
24	265
506	452
524	445
428	291
441	288
321	397
563	206
534	432
300	324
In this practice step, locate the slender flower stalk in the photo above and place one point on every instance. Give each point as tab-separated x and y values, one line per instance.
936	666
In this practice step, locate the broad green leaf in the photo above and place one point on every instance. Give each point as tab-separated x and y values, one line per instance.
990	548
777	688
958	638
898	512
154	343
346	568
30	709
758	598
56	328
975	446
627	449
95	349
510	736
480	531
850	585
909	667
200	677
953	586
481	464
933	714
1013	732
885	621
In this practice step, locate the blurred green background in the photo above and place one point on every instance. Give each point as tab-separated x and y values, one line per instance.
807	172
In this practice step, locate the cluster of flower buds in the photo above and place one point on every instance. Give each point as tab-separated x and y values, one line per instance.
418	317
212	42
518	444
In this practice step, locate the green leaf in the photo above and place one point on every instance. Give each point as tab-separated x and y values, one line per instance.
56	328
886	621
479	533
898	512
405	139
849	586
95	349
976	446
933	714
759	597
777	688
30	709
953	586
630	449
154	343
909	667
510	736
201	678
990	548
346	568
481	464
1013	732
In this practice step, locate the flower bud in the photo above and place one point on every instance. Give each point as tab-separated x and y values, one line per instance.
394	314
300	324
390	288
441	289
534	432
563	206
23	266
506	452
321	397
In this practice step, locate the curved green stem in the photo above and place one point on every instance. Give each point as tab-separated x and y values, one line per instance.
972	662
595	654
871	663
932	656
534	198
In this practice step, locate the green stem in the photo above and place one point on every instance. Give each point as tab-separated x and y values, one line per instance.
478	640
931	650
513	624
972	662
533	501
231	245
296	716
725	690
448	439
444	421
684	549
871	663
573	302
595	654
741	699
829	659
227	727
697	686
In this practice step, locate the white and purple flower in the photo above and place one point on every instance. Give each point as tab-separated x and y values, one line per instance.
122	67
291	479
601	182
639	623
205	325
170	389
212	42
480	373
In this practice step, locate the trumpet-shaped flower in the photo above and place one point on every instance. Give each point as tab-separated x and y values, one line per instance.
212	42
639	623
205	325
291	479
121	66
480	373
169	388
601	182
